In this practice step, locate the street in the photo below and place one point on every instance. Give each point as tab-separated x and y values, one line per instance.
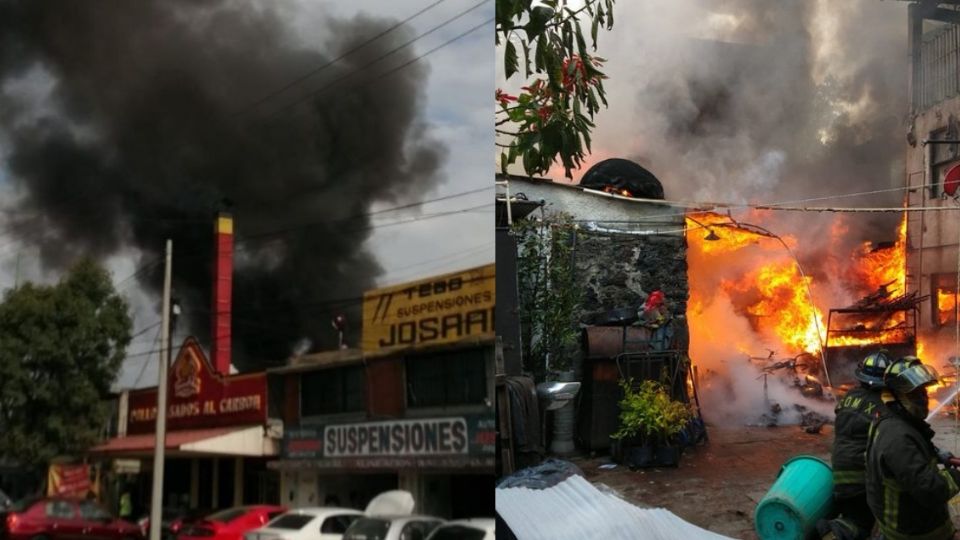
718	485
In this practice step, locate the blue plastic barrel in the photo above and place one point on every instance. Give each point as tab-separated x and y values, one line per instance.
800	497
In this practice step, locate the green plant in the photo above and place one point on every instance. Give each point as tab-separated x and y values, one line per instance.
649	413
553	115
549	297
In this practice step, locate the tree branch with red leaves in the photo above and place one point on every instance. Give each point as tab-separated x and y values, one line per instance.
553	114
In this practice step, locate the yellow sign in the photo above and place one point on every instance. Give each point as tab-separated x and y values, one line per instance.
441	309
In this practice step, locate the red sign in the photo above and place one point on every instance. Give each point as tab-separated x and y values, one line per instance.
69	481
951	181
199	397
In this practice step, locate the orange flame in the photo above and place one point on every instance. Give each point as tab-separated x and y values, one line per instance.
946	305
623	192
773	295
724	239
877	266
780	304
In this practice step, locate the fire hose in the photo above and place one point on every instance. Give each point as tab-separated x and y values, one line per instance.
947	458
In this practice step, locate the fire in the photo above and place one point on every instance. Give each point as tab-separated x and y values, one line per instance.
882	266
780	304
946	305
713	233
623	192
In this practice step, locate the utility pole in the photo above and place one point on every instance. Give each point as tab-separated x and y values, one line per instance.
156	500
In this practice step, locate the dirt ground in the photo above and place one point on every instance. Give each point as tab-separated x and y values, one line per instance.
718	484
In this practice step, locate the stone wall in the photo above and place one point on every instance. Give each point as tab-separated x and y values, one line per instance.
620	270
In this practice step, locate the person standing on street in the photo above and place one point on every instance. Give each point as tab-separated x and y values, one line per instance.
906	489
855	412
126	504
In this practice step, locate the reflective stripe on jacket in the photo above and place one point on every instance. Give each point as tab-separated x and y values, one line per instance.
906	490
855	411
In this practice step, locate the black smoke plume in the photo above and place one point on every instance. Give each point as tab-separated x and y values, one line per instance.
126	123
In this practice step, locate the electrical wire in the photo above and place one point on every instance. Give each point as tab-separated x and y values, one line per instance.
319	69
366	66
292	228
143	368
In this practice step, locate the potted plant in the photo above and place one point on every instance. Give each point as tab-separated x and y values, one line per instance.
650	426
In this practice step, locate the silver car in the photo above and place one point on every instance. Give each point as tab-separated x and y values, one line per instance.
465	529
392	528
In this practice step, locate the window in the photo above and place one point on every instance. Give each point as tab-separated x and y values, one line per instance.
332	391
337	524
91	511
294	522
943	299
60	510
942	157
368	529
458	532
450	378
226	516
417	530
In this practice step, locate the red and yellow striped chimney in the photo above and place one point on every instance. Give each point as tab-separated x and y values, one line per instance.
222	292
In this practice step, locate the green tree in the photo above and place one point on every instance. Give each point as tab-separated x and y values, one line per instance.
549	297
61	347
553	116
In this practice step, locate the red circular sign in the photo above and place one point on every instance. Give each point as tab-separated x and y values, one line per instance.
952	180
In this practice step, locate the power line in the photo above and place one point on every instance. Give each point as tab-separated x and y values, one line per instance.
145	329
284	230
364	67
143	368
314	71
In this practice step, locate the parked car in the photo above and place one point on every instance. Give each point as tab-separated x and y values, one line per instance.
465	529
392	528
389	516
174	520
63	519
327	523
230	524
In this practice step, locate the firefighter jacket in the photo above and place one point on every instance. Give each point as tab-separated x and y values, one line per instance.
906	490
855	411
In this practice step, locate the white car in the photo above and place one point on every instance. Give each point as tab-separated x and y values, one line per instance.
307	524
389	517
392	528
466	529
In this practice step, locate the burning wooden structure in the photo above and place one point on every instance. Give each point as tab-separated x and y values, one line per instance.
855	331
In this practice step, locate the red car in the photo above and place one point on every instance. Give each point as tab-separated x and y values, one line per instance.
63	519
230	524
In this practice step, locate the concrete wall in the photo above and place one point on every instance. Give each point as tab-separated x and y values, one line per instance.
932	237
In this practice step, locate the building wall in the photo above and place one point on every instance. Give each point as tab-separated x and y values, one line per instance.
624	249
932	237
385	393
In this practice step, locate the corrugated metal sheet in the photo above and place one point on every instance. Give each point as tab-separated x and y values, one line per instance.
574	509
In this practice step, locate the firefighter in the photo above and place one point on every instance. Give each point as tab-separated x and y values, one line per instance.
855	411
906	490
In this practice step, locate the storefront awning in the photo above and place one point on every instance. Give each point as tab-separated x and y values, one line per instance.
242	441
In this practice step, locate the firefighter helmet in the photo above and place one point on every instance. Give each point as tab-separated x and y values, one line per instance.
909	373
871	369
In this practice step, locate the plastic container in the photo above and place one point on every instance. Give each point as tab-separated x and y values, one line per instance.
800	497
